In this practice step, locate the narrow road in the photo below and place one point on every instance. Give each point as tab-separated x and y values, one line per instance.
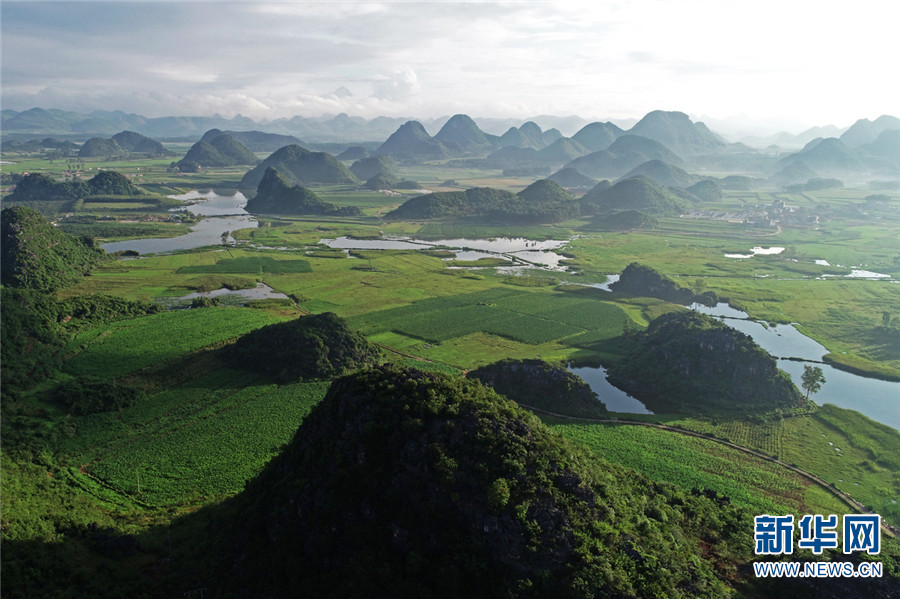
889	529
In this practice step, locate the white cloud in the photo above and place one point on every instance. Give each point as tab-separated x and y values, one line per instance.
822	63
396	85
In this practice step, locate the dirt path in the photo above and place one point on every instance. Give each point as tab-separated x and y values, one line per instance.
854	504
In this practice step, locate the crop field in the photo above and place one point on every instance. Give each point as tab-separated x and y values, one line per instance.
846	449
201	439
116	230
691	462
526	316
126	346
250	265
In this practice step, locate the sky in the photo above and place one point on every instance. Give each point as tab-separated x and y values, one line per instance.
790	64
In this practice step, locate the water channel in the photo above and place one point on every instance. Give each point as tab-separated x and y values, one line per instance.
222	212
877	399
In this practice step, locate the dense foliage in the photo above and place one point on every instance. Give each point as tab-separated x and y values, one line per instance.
222	150
643	281
35	326
626	220
301	166
275	196
541	202
36	255
366	168
406	483
121	143
636	193
90	395
40	187
689	362
537	384
310	347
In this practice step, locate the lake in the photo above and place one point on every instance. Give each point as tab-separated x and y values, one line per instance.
615	399
877	399
223	211
523	252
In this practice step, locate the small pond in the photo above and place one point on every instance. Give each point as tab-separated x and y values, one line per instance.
615	399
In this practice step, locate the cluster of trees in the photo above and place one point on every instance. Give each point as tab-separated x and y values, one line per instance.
275	196
435	486
537	384
686	362
320	346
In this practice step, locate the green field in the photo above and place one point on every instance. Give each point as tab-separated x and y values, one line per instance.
203	429
856	455
691	462
126	346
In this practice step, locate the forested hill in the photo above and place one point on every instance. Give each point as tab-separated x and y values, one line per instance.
275	196
37	255
40	187
537	384
541	202
299	165
686	362
320	346
411	484
641	280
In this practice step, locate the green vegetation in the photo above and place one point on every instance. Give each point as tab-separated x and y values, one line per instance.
127	346
844	448
250	265
121	419
35	255
529	317
688	362
40	187
297	165
274	196
643	281
310	347
537	384
222	150
812	379
637	193
692	463
542	202
494	504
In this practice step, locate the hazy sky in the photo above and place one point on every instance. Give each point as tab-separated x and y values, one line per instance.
812	63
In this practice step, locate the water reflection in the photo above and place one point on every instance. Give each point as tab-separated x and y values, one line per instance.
615	399
524	252
877	399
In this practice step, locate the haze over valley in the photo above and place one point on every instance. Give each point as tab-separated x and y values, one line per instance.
449	299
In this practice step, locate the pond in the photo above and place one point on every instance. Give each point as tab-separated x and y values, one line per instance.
223	211
521	251
615	399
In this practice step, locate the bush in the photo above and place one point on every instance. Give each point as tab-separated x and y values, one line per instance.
89	395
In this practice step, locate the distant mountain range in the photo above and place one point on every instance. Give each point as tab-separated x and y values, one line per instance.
595	150
328	128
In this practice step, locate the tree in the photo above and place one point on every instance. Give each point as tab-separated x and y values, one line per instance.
812	379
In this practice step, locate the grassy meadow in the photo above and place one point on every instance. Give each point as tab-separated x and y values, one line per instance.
204	429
